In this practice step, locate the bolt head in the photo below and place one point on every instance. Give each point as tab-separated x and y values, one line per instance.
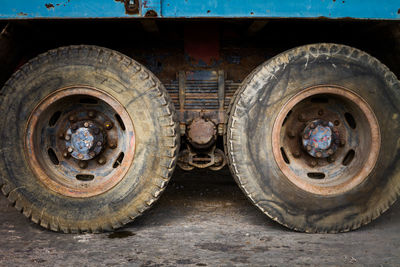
308	148
113	145
291	134
313	163
342	142
70	150
86	124
312	125
318	154
83	164
302	117
72	118
330	151
101	160
331	159
306	136
65	154
91	114
99	143
296	154
67	138
80	156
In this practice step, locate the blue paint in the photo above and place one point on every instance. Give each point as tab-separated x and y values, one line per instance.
357	9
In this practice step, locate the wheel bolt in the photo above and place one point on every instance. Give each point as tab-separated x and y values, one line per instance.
99	143
83	164
72	118
313	163
66	154
91	114
86	124
318	154
70	150
108	125
101	160
296	154
312	125
67	137
92	154
302	117
113	145
80	156
330	151
342	142
308	148
320	112
306	136
291	133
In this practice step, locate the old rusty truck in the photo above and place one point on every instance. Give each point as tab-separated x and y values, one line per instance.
101	99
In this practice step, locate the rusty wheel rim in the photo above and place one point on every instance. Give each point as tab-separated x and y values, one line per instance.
79	141
326	140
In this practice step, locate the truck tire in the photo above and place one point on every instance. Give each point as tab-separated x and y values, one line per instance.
90	142
313	138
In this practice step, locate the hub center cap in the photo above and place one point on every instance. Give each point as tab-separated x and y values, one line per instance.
84	140
319	139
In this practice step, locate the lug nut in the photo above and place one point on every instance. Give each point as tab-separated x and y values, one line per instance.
302	117
342	142
296	154
313	163
99	143
72	118
330	151
67	137
291	134
80	156
70	150
66	154
306	136
91	114
101	160
330	159
83	164
308	148
108	125
92	154
320	112
318	154
86	124
113	145
312	125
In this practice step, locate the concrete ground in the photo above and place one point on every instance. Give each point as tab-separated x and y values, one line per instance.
203	219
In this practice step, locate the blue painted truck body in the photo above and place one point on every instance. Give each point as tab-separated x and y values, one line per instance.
332	9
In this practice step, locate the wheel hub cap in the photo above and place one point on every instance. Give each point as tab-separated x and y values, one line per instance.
84	140
319	139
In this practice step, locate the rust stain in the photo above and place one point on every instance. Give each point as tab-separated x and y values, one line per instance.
49	6
22	14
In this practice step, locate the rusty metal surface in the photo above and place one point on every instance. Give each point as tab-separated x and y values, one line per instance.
72	174
201	132
336	173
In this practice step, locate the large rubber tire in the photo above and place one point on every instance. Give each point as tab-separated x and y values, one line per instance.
147	103
251	119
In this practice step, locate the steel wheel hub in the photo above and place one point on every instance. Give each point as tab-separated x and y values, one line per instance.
80	141
326	140
320	139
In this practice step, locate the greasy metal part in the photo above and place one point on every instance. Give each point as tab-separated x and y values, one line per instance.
199	93
52	159
334	167
320	138
213	159
201	132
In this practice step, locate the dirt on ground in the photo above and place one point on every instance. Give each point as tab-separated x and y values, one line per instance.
203	219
